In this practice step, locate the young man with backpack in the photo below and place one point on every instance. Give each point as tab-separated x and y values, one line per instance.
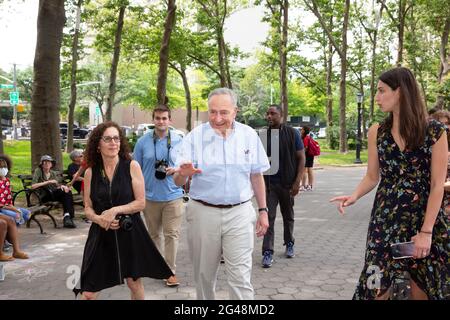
312	149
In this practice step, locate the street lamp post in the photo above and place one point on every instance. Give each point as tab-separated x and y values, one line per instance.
359	100
14	121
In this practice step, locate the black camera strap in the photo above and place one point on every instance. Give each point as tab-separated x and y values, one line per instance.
169	145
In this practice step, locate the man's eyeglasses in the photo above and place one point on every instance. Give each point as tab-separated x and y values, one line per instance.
108	139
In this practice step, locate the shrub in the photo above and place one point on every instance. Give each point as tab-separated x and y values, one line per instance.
79	145
333	137
132	140
352	144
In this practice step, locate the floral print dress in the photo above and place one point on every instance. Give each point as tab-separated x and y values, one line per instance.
397	215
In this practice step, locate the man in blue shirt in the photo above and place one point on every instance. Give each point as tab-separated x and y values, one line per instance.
288	156
163	210
226	160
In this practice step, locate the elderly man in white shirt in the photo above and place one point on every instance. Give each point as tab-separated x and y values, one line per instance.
226	160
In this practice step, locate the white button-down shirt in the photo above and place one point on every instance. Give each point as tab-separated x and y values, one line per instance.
226	163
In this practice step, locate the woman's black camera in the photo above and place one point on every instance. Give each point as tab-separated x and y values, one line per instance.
160	169
125	222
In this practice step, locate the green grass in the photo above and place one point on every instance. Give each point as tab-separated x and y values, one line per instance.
333	157
20	154
329	157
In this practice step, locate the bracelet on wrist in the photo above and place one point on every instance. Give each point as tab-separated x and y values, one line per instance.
427	232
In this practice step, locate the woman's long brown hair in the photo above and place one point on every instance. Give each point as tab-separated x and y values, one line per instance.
413	114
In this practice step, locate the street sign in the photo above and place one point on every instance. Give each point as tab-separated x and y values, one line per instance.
6	86
14	98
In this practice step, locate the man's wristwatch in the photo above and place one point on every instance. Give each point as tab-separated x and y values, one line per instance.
263	209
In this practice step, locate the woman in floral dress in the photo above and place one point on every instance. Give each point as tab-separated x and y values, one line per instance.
408	157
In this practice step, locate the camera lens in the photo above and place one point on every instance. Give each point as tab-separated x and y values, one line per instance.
160	169
160	173
125	222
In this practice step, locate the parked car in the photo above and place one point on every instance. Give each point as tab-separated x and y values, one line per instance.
322	133
313	135
78	133
6	132
145	127
128	131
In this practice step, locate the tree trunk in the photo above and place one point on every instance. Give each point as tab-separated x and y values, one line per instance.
187	94
329	93
424	90
364	120
114	64
73	80
329	109
373	67
164	52
224	46
283	60
1	140
329	69
342	83
100	107
372	78
227	65
221	57
45	134
221	50
363	113
401	30
444	57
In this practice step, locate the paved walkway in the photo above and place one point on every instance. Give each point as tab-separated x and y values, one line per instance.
329	254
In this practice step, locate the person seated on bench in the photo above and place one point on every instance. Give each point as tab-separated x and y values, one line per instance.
76	170
48	185
8	230
19	215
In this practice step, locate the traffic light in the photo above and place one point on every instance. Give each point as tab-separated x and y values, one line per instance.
20	108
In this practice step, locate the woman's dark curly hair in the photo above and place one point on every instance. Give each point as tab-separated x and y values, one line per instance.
4	158
93	155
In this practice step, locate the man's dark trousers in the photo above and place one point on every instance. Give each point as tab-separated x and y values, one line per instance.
276	193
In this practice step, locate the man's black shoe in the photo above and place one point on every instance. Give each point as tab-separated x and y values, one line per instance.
68	222
267	259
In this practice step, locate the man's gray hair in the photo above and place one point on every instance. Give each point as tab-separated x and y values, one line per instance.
224	91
